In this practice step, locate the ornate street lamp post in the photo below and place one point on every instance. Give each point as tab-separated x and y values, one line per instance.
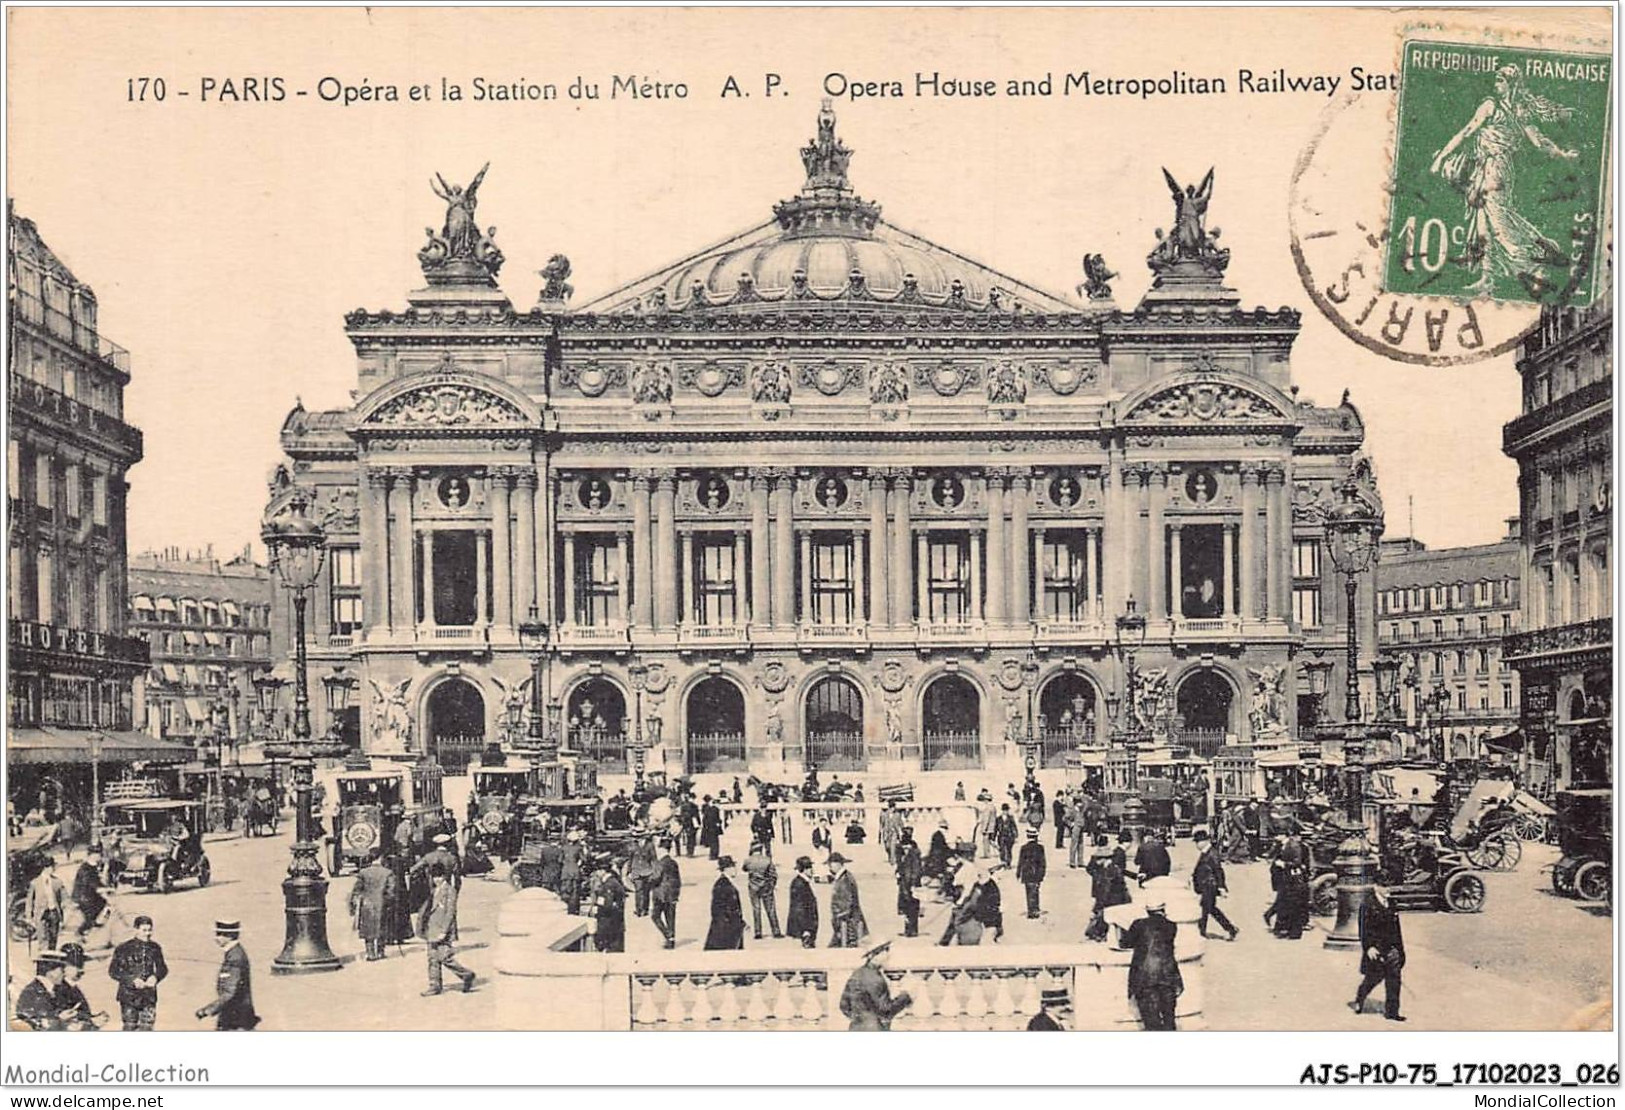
1034	738
96	788
639	674
1352	532
295	544
533	637
1130	639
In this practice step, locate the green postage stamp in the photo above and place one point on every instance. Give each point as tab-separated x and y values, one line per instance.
1500	164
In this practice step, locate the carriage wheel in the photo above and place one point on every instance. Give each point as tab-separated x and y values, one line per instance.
1487	854
1593	882
1464	893
1511	851
1323	896
166	880
1530	827
203	872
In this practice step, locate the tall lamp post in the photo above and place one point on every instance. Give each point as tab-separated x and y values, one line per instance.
296	545
96	788
1130	639
1029	679
533	636
1352	532
639	674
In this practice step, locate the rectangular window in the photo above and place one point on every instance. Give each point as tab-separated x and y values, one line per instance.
1306	558
948	579
832	581
14	468
1483	626
1483	660
714	577
1461	699
1306	606
1066	576
1455	596
344	565
43	473
1393	631
98	498
598	582
1506	697
1461	626
45	609
1416	630
346	619
1435	663
1437	600
1506	624
1438	629
1461	662
70	490
1415	599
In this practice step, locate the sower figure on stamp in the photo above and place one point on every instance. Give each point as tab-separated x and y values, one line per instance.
1382	953
233	1005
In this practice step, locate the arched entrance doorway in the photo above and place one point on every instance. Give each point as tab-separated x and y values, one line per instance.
1204	705
951	713
715	723
833	725
456	724
595	724
1067	716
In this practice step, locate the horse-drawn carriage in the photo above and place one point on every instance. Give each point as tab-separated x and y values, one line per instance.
372	804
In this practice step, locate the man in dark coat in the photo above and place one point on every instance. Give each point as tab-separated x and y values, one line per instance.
39	1003
571	856
664	891
1030	868
438	928
138	966
1382	953
1055	1007
640	872
233	1006
937	859
371	904
867	1000
549	865
1207	877
847	926
762	880
606	905
910	872
688	817
761	828
1035	805
711	827
727	915
1058	814
1107	888
1004	833
1154	982
803	920
72	1007
1151	861
87	893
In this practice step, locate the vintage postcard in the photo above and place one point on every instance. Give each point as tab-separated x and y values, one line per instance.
728	521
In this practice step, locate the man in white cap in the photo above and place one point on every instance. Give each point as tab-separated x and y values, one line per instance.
233	1006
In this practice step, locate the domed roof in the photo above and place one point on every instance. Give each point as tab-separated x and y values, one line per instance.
824	245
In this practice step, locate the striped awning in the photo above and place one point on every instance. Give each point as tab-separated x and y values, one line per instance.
213	639
141	602
192	638
194	674
230	609
172	672
166	605
51	744
195	710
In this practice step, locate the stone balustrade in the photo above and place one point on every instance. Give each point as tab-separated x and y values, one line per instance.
924	817
547	980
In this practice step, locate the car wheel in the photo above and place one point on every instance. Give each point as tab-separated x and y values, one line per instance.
165	881
1563	878
1593	882
203	874
1464	892
1511	851
1323	896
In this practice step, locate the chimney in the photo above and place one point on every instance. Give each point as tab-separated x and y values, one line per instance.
1514	528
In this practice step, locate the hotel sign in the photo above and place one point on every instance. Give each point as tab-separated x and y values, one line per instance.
50	637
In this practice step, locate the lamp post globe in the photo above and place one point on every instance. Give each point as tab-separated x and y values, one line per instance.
295	545
1352	531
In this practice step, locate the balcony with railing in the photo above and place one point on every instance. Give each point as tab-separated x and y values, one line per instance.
70	329
473	638
39	399
1561	639
713	635
1520	429
1068	630
950	631
610	635
815	636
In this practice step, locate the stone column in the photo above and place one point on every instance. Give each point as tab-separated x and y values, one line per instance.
902	573
688	609
808	615
1131	537
665	551
501	550
922	579
1019	603
376	560
784	555
1040	605
643	565
482	591
428	578
739	579
996	575
1176	557
857	576
1097	596
1226	572
567	619
975	576
546	497
622	542
1112	524
401	609
1156	493
524	576
1249	542
1278	557
879	605
761	590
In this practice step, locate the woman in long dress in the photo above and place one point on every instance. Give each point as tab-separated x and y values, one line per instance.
1479	160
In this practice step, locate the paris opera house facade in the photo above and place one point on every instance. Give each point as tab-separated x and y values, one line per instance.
826	493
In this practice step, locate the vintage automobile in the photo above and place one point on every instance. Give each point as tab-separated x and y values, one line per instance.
151	853
497	806
1424	870
371	804
1585	821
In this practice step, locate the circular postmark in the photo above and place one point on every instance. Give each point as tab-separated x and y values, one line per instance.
1337	211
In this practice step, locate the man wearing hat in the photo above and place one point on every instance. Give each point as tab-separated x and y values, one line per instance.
910	872
762	880
664	891
438	928
606	905
37	1005
138	966
1004	833
1151	860
233	1005
71	1004
46	907
570	860
727	915
372	901
1207	878
803	920
847	926
1154	981
87	893
640	872
1030	869
1382	953
1055	1008
866	1000
711	827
